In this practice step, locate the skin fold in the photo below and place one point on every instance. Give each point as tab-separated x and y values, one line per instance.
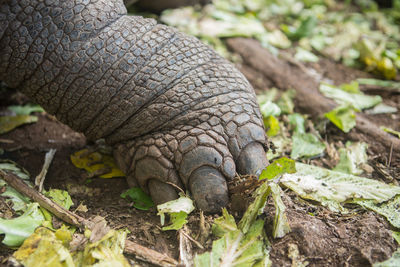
160	5
174	110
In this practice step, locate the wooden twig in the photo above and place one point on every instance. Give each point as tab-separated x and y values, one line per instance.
284	74
148	254
132	248
58	211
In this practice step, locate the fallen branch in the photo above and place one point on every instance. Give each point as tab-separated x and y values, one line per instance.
131	248
58	211
285	73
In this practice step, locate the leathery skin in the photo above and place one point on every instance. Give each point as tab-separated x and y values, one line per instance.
174	111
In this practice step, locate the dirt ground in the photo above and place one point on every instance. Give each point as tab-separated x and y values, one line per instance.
323	238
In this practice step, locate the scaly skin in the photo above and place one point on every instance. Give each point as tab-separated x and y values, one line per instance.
174	110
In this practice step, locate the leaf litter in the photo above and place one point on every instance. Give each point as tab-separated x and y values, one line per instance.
311	35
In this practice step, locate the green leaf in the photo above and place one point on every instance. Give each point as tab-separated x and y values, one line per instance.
319	42
8	123
332	188
272	125
224	24
382	83
277	168
396	236
267	96
224	224
359	101
352	157
267	107
393	261
381	109
270	109
304	55
16	200
305	29
140	199
352	87
281	225
175	208
343	117
61	197
18	229
8	165
306	145
177	219
297	120
389	209
282	145
26	110
255	208
275	38
236	249
285	102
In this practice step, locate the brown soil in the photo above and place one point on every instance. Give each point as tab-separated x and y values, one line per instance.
323	238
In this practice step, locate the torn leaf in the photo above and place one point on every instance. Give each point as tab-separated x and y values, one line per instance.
224	224
255	208
393	261
16	200
388	209
332	188
281	224
352	158
236	249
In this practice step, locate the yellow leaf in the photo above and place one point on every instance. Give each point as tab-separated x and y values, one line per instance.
8	123
44	248
386	67
96	163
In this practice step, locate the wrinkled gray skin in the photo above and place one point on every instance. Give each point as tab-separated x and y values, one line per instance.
175	111
160	5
